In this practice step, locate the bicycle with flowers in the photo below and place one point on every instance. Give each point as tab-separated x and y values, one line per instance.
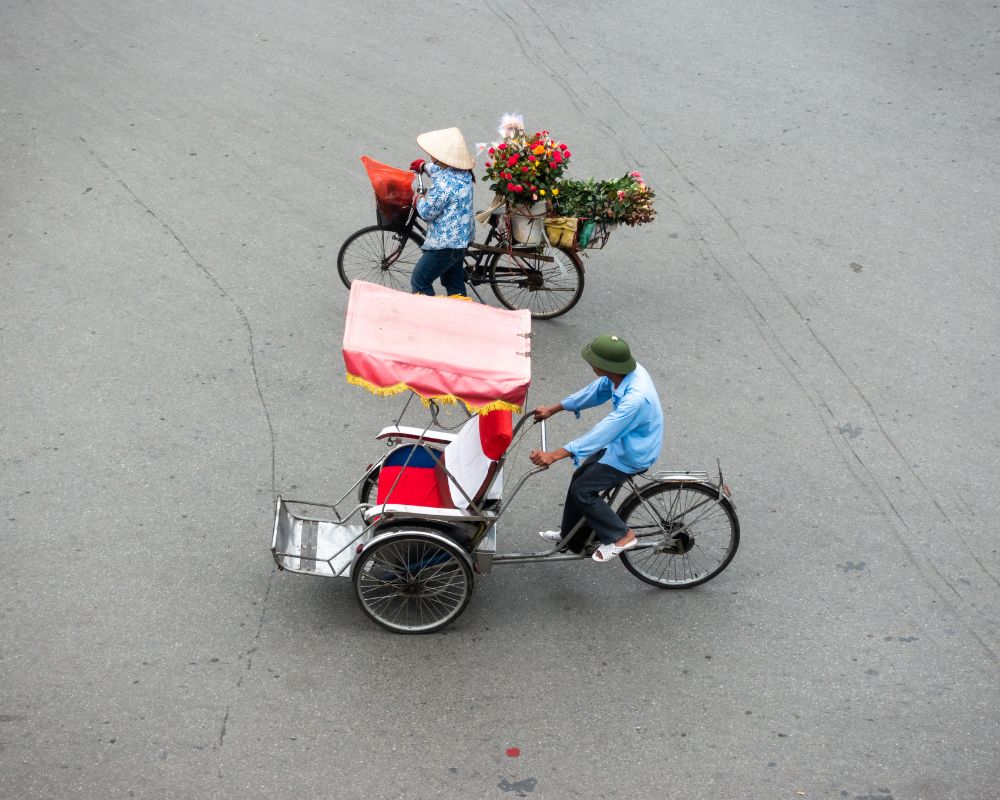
524	269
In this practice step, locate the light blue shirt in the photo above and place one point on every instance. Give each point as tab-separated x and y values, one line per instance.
632	433
447	208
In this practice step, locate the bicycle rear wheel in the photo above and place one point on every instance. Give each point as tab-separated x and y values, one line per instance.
694	534
378	255
545	288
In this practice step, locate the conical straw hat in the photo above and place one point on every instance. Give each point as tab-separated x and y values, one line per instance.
447	146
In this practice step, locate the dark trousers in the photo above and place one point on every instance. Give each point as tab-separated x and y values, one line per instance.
447	264
583	500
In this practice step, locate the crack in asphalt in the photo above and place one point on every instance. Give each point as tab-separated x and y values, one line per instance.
244	319
222	291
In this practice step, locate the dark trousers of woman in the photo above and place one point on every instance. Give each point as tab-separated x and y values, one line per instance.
447	264
583	500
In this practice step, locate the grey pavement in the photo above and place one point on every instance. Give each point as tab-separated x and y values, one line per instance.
817	302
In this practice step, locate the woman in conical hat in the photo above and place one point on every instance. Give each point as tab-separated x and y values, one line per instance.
447	209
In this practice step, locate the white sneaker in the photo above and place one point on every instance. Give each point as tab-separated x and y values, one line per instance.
551	536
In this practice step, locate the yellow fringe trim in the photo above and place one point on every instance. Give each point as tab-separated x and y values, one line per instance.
443	399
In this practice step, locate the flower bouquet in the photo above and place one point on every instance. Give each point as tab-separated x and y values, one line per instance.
524	171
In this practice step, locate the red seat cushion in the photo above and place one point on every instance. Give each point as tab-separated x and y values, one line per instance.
408	477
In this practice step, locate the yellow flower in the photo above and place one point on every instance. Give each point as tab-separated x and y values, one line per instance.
542	192
555	192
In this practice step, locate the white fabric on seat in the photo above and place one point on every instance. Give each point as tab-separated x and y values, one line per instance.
466	463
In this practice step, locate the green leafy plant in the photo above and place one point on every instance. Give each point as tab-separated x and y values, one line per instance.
626	200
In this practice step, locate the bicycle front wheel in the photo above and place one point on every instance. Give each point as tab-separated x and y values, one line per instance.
694	534
378	255
546	288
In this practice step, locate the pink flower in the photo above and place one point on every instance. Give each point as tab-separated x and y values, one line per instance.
531	158
556	157
635	174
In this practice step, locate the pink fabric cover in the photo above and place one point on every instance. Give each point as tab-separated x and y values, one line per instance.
438	347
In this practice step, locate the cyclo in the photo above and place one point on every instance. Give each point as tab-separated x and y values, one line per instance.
421	522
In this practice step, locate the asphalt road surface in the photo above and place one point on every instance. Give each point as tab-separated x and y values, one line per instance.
817	302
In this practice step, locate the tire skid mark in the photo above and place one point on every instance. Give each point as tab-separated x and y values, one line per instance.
521	35
856	465
556	75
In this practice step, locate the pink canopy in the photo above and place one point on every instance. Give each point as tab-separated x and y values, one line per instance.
441	348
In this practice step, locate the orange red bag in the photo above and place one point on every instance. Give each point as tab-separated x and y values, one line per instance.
393	187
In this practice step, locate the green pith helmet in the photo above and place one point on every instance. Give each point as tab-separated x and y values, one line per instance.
610	354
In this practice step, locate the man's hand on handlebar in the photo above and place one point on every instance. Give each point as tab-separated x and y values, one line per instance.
541	458
544	412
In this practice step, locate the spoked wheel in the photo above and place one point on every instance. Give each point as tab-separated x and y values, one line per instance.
547	289
694	534
368	489
413	582
378	255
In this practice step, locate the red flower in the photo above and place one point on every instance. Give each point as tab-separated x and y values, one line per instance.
502	146
489	164
531	158
567	154
556	157
512	187
524	169
562	147
512	161
491	151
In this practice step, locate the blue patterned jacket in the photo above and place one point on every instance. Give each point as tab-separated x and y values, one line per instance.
447	208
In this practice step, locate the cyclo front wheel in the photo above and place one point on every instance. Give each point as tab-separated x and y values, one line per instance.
378	255
547	286
693	531
413	581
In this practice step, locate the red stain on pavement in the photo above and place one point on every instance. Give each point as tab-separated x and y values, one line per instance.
513	752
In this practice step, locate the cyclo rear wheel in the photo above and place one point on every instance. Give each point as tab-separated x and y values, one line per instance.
547	289
378	255
695	534
413	581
